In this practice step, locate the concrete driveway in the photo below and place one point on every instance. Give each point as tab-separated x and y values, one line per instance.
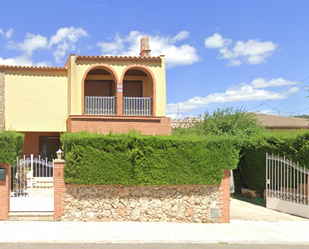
241	210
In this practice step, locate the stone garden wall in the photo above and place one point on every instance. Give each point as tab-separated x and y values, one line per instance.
181	203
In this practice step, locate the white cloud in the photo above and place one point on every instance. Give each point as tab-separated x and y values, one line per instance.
175	55
65	40
262	83
267	112
244	92
44	64
250	52
175	116
180	36
27	47
8	34
30	44
18	60
113	47
216	41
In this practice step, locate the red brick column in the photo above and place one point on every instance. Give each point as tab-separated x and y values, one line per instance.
5	192
225	198
119	100
59	188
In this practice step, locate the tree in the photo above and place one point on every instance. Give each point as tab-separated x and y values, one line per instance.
230	120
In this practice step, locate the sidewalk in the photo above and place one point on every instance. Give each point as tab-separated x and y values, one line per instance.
237	232
250	224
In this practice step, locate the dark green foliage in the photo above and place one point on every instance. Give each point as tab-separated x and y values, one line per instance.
132	159
232	121
11	145
254	141
252	166
302	116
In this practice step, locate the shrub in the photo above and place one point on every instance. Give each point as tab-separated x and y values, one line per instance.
232	121
11	145
132	159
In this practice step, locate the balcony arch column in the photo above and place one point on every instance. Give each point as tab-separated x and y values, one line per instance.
152	80
108	71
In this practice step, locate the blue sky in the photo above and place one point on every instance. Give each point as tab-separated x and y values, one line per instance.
247	54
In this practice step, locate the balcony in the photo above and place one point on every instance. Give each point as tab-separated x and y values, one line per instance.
97	105
137	106
132	106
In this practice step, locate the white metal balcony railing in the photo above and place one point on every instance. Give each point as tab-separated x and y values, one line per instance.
100	105
134	106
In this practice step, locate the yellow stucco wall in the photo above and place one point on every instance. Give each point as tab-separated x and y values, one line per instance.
157	68
41	100
36	100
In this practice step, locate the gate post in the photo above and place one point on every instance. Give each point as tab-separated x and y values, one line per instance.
5	192
225	198
59	188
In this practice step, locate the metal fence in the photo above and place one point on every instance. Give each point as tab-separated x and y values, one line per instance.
32	185
100	105
32	177
135	106
286	186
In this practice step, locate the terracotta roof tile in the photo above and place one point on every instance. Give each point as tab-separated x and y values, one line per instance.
32	67
117	57
282	121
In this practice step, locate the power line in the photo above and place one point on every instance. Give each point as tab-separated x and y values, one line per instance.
274	108
264	103
293	94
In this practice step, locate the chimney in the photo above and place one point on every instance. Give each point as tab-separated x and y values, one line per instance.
145	51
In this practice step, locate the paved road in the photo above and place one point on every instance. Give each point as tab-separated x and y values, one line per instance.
143	246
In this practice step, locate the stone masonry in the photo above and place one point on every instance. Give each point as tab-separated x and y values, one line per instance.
180	203
2	85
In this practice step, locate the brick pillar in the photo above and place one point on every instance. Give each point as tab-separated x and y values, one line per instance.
225	198
5	192
59	188
119	105
145	51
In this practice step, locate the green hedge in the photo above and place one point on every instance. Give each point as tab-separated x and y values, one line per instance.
131	159
251	168
11	145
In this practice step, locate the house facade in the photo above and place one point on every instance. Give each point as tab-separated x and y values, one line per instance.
90	93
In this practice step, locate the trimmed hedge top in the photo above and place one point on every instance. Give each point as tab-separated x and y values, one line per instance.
11	145
131	159
294	145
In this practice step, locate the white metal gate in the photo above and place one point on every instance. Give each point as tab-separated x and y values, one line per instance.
287	186
32	185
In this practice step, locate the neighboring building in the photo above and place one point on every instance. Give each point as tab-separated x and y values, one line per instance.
185	122
282	122
90	93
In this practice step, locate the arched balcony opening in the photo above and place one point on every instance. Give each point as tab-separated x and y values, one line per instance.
137	92
99	92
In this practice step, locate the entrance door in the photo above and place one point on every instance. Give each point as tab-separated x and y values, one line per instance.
48	145
32	185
